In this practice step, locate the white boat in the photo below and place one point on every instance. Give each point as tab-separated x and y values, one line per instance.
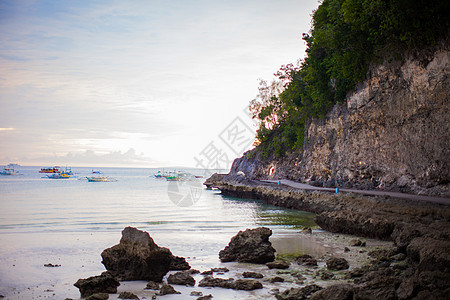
98	179
9	171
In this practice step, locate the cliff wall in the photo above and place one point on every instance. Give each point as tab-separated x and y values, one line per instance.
393	133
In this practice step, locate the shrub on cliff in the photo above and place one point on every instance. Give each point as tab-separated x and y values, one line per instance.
346	37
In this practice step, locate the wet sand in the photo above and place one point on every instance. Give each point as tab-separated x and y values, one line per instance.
23	263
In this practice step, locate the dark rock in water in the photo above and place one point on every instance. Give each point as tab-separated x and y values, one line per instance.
346	249
210	281
104	283
195	293
137	257
278	265
209	272
251	245
167	289
240	284
179	264
247	284
252	275
337	264
306	260
221	270
306	230
276	279
181	278
334	292
51	266
128	295
151	285
325	275
206	297
298	293
98	296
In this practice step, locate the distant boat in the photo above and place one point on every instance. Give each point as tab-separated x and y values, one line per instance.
97	179
67	171
51	170
9	170
59	176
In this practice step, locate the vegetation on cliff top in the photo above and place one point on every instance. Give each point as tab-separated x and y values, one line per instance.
346	37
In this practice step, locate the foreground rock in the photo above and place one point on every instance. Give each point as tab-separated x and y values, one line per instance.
240	284
335	263
298	293
334	292
138	257
104	283
167	289
128	295
251	246
181	278
278	265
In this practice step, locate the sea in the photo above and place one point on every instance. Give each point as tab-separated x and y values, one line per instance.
66	224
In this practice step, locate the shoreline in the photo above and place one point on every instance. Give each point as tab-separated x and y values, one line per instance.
419	231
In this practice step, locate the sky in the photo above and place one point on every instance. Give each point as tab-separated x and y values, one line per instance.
138	83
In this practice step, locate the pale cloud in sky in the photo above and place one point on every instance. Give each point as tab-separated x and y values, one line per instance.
141	83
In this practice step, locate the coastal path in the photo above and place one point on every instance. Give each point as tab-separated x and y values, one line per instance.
303	186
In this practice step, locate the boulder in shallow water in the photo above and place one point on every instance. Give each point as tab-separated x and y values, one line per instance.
278	265
181	278
336	263
251	246
167	289
104	283
137	257
128	295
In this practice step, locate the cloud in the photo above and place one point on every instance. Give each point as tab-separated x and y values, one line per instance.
91	158
113	75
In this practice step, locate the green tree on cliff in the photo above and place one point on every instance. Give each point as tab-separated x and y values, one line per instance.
346	37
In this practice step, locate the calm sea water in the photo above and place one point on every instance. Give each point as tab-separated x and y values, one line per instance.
70	221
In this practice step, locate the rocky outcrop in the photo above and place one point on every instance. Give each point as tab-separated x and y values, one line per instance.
337	263
391	134
278	265
298	293
334	292
251	246
104	283
181	278
137	257
240	284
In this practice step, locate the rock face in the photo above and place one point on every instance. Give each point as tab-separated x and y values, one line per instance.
104	283
391	134
137	257
251	246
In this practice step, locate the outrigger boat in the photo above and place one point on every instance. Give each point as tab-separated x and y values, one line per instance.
99	178
59	176
51	170
9	170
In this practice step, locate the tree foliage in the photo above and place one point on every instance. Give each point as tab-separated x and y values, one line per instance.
346	37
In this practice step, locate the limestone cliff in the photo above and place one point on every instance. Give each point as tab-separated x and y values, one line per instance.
393	133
